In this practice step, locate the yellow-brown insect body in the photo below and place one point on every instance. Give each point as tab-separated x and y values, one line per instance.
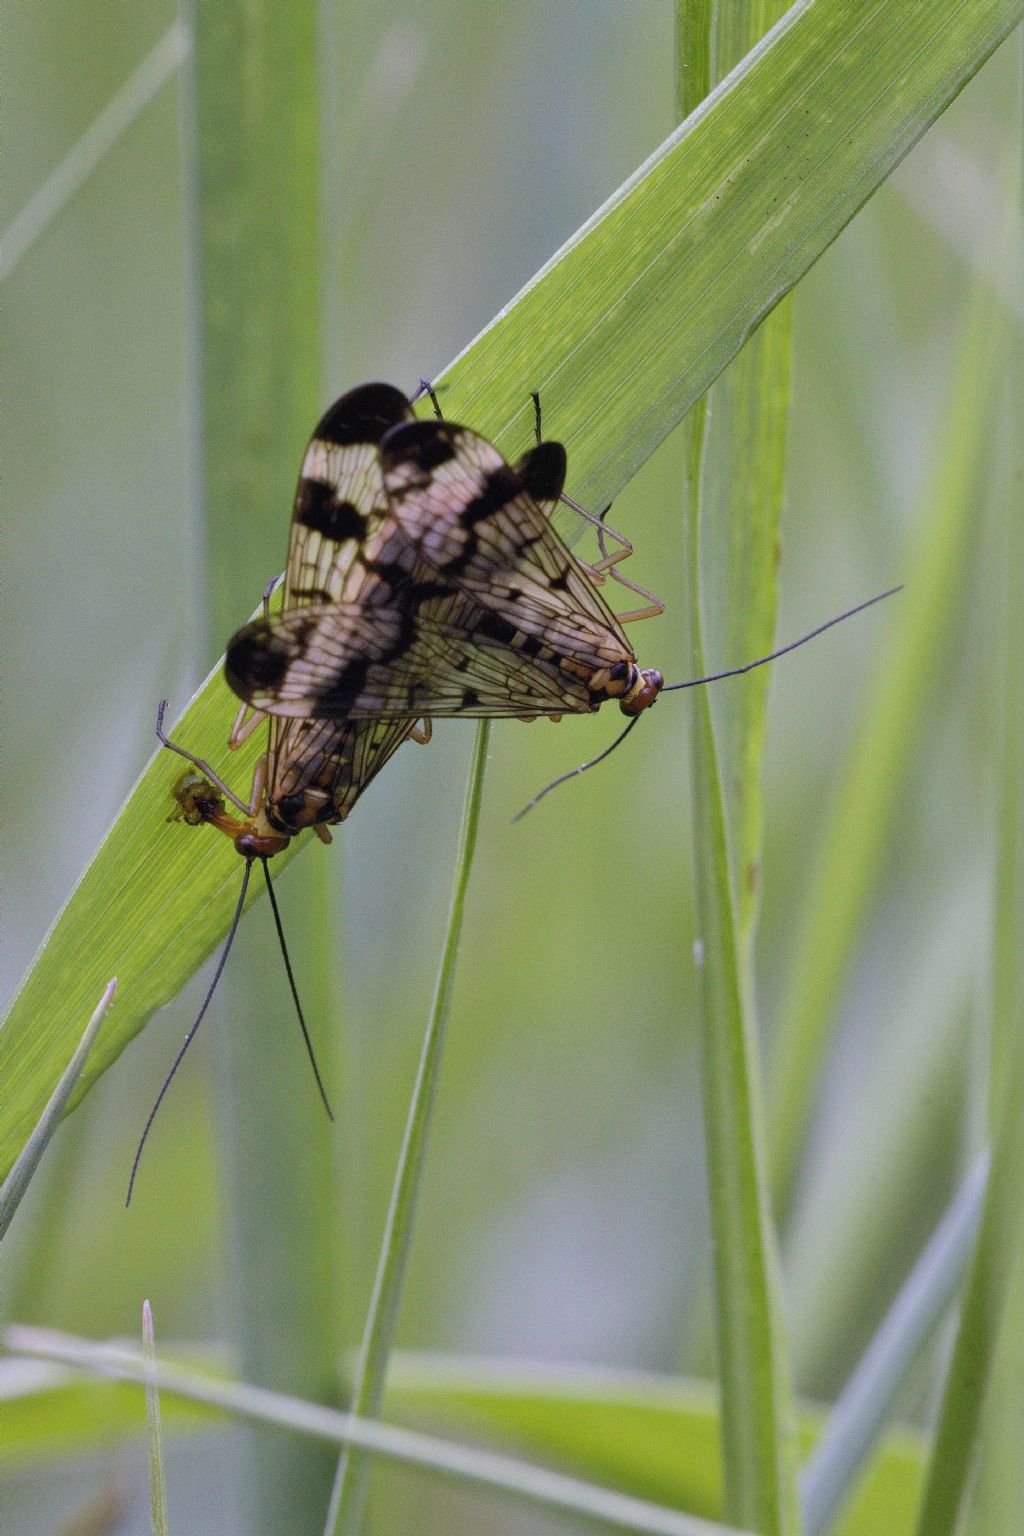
644	687
199	801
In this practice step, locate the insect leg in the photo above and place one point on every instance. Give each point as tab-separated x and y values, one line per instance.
421	733
608	561
199	762
243	728
426	388
268	592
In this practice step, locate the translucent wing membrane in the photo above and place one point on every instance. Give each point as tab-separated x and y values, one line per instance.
318	769
340	499
461	601
484	528
328	765
340	661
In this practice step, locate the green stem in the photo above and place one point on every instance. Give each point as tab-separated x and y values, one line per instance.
756	1417
348	1497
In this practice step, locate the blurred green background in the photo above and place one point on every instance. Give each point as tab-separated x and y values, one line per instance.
564	1214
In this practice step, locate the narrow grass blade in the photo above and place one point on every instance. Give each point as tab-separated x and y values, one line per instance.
621	331
253	142
649	1435
735	475
157	1480
863	1407
487	1469
755	1416
982	1314
985	1354
345	1514
851	851
108	129
632	320
17	1181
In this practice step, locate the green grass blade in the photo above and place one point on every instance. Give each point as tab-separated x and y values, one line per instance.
17	1181
982	1314
348	1496
984	1374
633	319
157	1478
755	1426
490	1470
862	1410
736	441
851	851
621	331
255	176
651	1436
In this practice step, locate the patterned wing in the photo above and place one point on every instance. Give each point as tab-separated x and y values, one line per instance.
482	527
321	767
435	653
465	601
318	769
340	500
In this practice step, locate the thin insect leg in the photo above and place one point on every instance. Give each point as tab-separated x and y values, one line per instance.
426	388
243	728
421	733
259	785
295	992
200	762
575	772
607	563
192	1032
784	650
268	592
535	397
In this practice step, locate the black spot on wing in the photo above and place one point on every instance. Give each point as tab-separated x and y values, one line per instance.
317	507
491	626
363	415
542	471
256	658
500	487
425	444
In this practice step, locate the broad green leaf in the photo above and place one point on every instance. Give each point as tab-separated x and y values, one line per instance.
621	331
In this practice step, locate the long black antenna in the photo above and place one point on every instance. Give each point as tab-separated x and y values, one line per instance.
698	682
192	1032
565	777
295	992
715	677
